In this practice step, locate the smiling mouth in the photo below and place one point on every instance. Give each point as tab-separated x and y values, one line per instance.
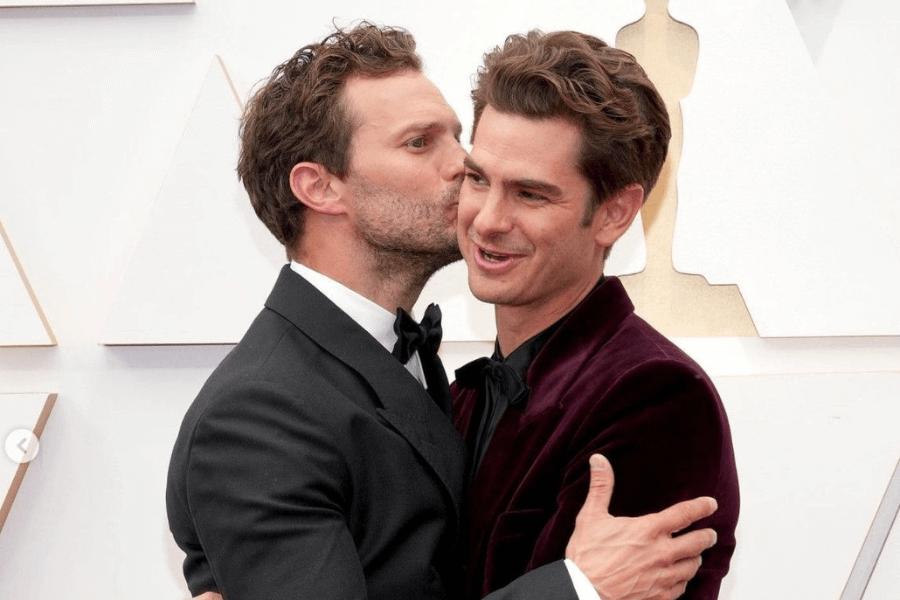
493	257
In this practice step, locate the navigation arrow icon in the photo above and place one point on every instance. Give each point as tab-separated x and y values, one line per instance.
22	446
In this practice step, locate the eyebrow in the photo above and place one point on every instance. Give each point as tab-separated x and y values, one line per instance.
536	185
471	164
429	127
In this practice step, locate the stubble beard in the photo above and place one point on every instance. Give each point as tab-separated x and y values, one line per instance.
408	238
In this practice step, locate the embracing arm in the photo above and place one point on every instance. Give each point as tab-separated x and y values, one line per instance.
637	558
265	486
626	558
623	558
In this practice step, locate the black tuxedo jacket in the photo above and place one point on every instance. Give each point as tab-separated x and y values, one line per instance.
313	465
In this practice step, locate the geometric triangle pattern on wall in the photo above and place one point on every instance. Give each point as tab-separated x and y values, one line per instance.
22	420
885	579
204	263
876	573
22	323
814	20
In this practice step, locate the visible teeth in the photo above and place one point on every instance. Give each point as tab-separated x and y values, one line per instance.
494	257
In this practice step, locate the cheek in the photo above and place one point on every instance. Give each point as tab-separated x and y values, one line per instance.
466	213
551	244
462	231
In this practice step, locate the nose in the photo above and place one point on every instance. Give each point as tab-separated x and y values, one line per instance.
493	216
452	167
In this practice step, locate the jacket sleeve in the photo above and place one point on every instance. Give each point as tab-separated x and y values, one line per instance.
664	430
267	492
549	582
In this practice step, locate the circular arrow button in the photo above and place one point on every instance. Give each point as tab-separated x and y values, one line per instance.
22	446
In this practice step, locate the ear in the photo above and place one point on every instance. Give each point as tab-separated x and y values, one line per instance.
317	188
615	214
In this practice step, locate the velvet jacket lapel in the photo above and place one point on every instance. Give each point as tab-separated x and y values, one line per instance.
589	326
405	404
586	329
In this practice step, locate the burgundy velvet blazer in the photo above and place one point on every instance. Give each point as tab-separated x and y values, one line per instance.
604	382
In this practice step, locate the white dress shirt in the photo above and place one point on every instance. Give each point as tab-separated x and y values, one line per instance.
377	321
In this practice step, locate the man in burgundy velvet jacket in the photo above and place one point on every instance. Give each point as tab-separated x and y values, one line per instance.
569	138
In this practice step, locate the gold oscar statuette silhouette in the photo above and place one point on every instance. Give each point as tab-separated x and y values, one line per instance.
677	304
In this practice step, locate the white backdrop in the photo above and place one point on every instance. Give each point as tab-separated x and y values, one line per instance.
95	126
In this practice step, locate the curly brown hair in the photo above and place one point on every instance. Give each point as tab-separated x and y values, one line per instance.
622	118
298	115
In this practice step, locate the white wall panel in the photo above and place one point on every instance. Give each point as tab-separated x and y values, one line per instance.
769	196
885	579
814	455
22	421
22	323
202	267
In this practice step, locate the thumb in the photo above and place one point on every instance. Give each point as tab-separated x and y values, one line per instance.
600	488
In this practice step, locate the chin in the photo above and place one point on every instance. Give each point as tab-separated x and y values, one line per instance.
485	292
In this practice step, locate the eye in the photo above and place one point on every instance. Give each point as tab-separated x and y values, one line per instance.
418	143
475	178
532	196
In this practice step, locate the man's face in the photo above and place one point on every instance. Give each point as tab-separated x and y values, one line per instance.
521	212
405	168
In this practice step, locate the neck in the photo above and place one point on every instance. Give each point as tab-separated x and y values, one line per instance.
518	324
390	282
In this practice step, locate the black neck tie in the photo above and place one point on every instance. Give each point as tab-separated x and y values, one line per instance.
500	378
411	336
499	386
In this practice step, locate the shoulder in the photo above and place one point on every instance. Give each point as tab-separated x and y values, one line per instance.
632	355
635	378
637	350
276	384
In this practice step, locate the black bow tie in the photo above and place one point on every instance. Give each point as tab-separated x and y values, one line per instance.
411	336
503	380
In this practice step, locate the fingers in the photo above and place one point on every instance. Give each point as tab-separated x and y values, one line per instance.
685	569
594	511
675	591
679	574
691	544
681	515
601	486
208	596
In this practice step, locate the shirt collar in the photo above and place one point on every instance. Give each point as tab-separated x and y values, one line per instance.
377	321
521	358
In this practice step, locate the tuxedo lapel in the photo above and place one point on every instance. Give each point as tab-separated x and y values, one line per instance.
405	404
438	386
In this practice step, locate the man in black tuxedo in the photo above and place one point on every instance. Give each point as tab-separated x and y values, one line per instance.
319	460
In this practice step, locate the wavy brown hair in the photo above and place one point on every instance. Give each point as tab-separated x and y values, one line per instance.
298	115
622	118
